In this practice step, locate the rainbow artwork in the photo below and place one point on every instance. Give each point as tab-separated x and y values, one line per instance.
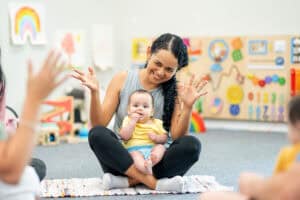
27	24
197	123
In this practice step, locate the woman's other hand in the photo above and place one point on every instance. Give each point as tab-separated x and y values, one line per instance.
87	79
191	91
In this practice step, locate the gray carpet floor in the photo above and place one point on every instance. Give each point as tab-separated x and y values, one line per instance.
224	155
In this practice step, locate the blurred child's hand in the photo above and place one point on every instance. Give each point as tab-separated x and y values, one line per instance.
42	83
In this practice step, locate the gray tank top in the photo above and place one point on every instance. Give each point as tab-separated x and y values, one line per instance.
133	83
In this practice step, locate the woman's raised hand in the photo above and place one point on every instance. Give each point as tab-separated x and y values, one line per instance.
189	92
87	79
42	83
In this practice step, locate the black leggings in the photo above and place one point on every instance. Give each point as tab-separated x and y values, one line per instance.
115	159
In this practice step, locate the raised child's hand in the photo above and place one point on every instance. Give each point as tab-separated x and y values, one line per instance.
42	83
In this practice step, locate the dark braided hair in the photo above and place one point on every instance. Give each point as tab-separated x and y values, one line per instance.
175	45
294	110
2	79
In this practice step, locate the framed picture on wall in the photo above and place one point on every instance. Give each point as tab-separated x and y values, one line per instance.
27	22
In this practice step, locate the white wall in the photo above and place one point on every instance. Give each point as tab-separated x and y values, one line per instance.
207	18
60	15
132	18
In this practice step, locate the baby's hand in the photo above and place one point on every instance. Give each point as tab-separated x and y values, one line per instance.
152	136
134	116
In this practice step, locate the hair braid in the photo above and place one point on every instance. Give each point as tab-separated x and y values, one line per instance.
174	44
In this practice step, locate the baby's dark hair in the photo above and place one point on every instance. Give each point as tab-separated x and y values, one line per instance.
294	110
141	91
2	79
176	46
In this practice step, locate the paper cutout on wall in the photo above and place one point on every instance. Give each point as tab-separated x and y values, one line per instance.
71	44
102	46
27	23
139	51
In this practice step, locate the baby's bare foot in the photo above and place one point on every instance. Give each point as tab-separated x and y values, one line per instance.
148	166
153	159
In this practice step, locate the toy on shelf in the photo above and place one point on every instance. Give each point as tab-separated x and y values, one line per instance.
48	135
62	114
84	132
79	105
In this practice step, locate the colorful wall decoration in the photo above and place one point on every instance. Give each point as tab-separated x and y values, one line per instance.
249	77
103	46
139	51
197	124
27	23
72	45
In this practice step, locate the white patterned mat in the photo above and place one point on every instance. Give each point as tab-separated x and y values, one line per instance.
77	187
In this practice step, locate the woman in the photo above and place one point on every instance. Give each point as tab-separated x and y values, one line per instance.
167	55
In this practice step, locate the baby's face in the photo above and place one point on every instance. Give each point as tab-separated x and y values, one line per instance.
294	133
141	103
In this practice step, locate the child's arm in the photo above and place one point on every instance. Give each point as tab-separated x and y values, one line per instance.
279	186
158	139
128	128
126	131
15	152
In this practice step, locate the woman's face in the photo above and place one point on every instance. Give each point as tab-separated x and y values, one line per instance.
161	66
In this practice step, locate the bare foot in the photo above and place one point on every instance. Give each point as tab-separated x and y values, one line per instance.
148	166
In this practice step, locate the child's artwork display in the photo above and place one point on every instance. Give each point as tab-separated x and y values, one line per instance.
103	46
249	77
72	46
27	23
139	51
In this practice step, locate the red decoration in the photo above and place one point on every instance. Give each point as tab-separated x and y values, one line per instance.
261	83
